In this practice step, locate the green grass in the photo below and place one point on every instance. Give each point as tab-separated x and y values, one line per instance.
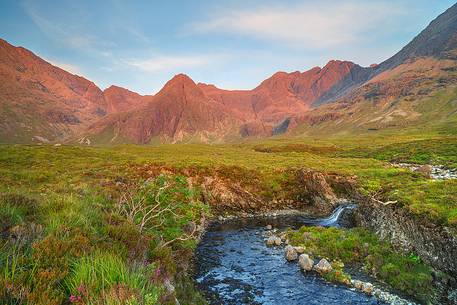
405	273
63	202
101	272
72	240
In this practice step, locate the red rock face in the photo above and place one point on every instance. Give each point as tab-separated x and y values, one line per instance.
119	99
281	96
38	99
178	112
53	103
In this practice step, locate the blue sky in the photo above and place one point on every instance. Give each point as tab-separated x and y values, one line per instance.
233	44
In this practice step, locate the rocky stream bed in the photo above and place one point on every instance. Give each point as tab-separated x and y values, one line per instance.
237	263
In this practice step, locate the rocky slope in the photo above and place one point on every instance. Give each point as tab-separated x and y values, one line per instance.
179	112
41	102
420	92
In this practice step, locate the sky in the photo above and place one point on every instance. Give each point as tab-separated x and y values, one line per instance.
234	44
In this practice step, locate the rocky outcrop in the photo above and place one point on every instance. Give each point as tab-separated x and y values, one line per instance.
324	190
435	244
316	192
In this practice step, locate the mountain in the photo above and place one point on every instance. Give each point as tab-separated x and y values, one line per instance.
179	112
415	87
41	102
184	111
438	39
118	99
285	94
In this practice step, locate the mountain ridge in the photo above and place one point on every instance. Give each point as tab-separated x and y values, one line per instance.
41	102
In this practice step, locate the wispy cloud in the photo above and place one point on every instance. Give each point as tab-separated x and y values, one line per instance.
170	63
306	25
70	35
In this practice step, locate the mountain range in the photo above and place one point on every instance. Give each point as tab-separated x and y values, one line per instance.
40	102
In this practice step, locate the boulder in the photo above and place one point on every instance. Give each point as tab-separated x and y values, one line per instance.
300	250
290	253
357	284
305	262
323	266
367	288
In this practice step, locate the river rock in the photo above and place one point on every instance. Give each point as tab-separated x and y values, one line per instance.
299	249
367	288
291	254
357	284
305	262
269	227
323	266
274	241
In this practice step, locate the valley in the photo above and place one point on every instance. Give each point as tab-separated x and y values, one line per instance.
333	185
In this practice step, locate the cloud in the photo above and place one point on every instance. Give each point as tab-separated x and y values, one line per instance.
306	25
169	63
72	36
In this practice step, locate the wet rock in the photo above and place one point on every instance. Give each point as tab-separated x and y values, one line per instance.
367	288
274	241
290	253
357	284
323	266
300	250
305	262
269	227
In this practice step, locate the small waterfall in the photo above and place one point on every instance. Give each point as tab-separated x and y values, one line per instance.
331	220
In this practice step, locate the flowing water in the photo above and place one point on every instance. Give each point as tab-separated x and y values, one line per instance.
234	265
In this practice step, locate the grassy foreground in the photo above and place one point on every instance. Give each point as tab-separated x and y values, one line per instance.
101	225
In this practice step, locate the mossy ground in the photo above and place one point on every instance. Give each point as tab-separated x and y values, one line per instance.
59	205
359	246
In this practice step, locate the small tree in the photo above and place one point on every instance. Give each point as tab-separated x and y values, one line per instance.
164	205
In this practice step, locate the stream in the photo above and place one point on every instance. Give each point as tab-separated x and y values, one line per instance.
234	265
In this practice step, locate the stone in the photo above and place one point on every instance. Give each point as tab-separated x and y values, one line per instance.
305	262
367	288
269	227
323	266
357	284
299	249
278	241
274	241
290	253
